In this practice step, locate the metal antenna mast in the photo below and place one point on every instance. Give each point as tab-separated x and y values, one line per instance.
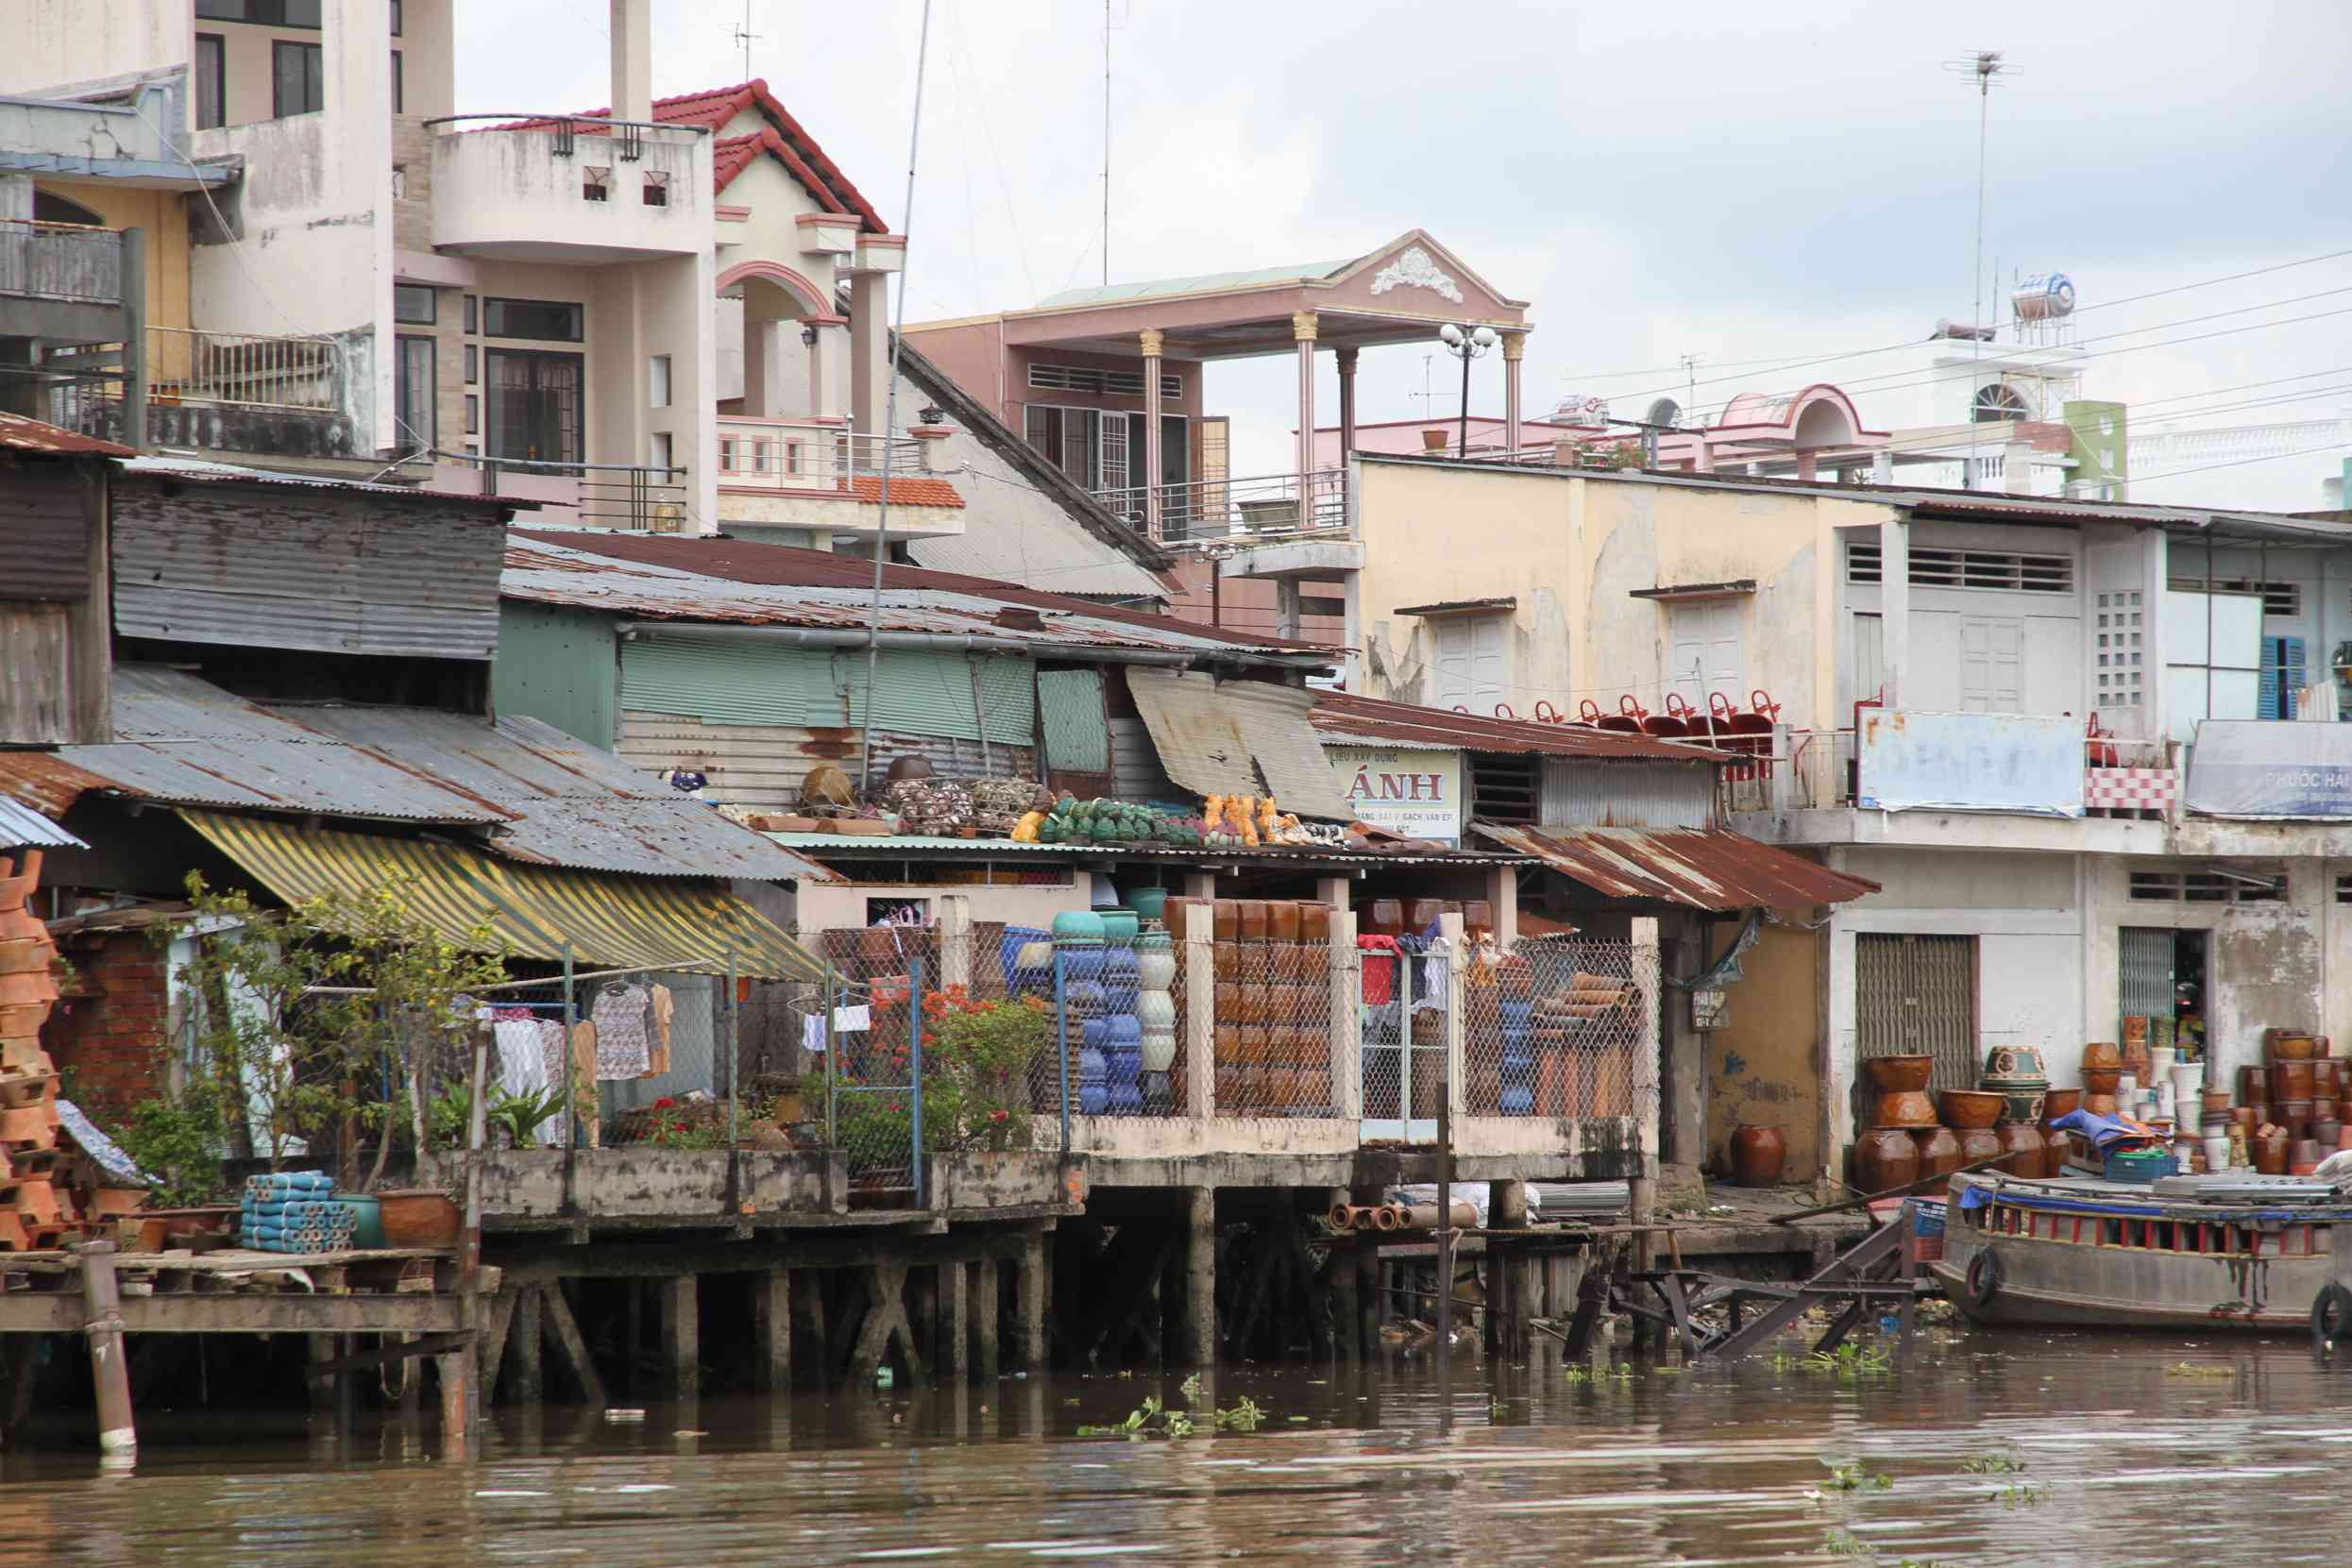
1106	144
1984	69
744	36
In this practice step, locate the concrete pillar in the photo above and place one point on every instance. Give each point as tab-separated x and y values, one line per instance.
1882	467
1153	341
526	1349
1200	1041
682	1333
2017	467
828	367
1894	606
763	366
870	352
955	916
1303	333
1502	894
458	1370
16	198
1346	403
1513	352
774	1304
1509	1281
1346	1017
1286	611
1029	1305
633	60
1199	1219
985	1298
1683	1131
1808	466
1347	1309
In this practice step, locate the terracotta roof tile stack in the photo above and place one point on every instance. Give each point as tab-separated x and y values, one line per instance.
41	1164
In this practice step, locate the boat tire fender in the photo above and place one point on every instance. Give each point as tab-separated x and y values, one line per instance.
2331	1315
1983	1281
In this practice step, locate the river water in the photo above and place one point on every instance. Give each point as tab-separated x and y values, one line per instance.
2139	1451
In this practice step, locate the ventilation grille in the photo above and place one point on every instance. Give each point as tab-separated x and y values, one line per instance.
1950	569
2210	887
1111	383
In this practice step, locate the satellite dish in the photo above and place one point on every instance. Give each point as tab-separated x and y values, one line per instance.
1665	411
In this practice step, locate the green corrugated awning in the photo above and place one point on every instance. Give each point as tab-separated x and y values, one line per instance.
1075	718
537	911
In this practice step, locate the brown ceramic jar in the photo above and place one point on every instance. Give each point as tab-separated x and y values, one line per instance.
1884	1159
1759	1155
1978	1144
2022	1142
1939	1152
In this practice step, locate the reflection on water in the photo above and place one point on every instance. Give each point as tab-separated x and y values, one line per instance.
2143	1451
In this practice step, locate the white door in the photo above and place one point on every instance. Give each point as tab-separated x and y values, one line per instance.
1703	652
1992	665
1471	668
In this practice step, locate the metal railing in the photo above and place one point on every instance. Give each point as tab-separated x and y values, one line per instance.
626	136
795	454
190	366
625	496
1794	770
60	261
1207	510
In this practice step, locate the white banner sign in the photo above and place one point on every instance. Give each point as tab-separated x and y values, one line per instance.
1971	762
1417	794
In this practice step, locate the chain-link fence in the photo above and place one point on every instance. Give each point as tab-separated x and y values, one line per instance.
1560	1027
616	1057
1405	988
873	1045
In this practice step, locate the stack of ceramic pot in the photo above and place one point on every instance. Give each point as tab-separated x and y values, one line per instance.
1156	1012
2021	1076
35	1210
2103	1077
1905	1141
1078	948
1972	1115
1123	1046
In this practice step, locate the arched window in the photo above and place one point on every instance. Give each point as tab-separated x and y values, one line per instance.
1997	401
48	207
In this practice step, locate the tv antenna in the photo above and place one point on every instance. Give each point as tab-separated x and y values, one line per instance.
744	36
1984	70
1690	380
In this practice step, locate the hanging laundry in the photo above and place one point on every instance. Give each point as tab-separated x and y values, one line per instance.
665	1009
623	1032
522	1065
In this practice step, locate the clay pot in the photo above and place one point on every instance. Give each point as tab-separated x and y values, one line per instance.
2059	1101
2294	1115
1939	1152
1889	1075
1978	1144
2327	1134
2103	1056
1759	1155
418	1217
2323	1107
2217	1100
2026	1149
1970	1109
2136	1061
2019	1064
2099	1105
1904	1109
1884	1159
2018	1106
2268	1148
2291	1080
2289	1045
2303	1157
2101	1079
2252	1084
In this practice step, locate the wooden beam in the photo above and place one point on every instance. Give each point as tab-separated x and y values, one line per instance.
499	1319
885	1323
429	1344
61	1312
772	1297
681	1331
529	1334
954	1334
563	1333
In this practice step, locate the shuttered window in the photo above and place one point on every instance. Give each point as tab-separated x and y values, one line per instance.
933	694
1915	995
729	681
1075	722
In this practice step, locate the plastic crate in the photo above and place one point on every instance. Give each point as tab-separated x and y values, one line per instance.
2139	1165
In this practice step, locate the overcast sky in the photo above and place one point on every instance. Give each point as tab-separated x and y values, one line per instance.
1740	183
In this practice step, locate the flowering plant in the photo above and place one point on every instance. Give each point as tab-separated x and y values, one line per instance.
975	1063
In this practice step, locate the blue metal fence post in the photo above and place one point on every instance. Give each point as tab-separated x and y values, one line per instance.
1061	1042
914	1057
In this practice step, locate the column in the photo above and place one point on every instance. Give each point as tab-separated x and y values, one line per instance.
773	1320
682	1327
1514	350
1347	357
1303	330
633	60
1894	605
870	352
828	367
1199	1345
1029	1303
1153	340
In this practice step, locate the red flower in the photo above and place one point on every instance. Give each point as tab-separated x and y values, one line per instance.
930	1038
664	1103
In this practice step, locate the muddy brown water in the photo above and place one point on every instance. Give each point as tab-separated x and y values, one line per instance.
2133	1452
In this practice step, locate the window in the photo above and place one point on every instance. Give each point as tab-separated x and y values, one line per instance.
472	302
473	364
2215	887
269	13
473	414
413	303
414	394
1070	439
535	406
1114	383
395	18
2280	600
2283	675
211	81
396	95
1967	568
1998	402
595	183
550	319
1469	664
656	192
297	86
658	382
657	450
2119	649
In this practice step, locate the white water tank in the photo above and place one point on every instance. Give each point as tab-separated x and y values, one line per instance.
2044	297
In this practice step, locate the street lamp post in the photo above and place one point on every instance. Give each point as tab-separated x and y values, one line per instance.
1467	346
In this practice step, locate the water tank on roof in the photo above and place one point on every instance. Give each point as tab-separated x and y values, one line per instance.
2044	297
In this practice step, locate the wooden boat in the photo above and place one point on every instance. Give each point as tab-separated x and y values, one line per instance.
2234	1250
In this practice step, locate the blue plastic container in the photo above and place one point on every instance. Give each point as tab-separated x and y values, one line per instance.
1518	1100
2139	1165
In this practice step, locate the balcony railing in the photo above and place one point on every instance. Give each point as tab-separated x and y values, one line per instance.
244	368
581	189
1205	511
806	455
60	261
622	496
1792	769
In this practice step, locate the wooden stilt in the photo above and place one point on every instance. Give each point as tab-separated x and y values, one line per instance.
408	1402
1199	1346
808	1299
636	1336
562	1335
457	1369
1341	1291
529	1332
772	1294
682	1333
320	1347
885	1325
954	1338
110	1369
497	1324
922	1311
1029	1306
987	1308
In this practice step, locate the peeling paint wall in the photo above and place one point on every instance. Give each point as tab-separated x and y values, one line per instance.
1764	1065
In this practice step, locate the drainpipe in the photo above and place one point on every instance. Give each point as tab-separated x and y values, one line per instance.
952	642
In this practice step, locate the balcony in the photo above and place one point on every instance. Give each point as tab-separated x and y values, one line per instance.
1271	508
632	499
579	190
816	475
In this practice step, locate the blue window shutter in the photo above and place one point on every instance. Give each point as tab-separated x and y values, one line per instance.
2282	676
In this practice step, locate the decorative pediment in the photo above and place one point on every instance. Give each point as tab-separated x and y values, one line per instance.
1413	269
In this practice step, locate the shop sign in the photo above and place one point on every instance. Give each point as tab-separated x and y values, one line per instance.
2254	768
1417	794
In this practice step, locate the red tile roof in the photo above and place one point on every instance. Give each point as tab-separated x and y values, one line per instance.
786	566
906	490
783	136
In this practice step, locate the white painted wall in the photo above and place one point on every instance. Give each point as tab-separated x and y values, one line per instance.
53	42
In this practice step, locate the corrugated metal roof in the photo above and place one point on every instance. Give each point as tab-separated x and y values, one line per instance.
197	470
719	578
1711	869
844	847
20	434
1370	721
1206	283
550	799
534	911
1237	737
22	826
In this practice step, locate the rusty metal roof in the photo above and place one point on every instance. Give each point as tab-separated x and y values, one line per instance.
204	471
1703	868
724	580
20	434
544	796
1340	719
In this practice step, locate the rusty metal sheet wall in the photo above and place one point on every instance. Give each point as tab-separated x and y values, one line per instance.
310	570
1626	794
1917	995
36	673
44	536
761	765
